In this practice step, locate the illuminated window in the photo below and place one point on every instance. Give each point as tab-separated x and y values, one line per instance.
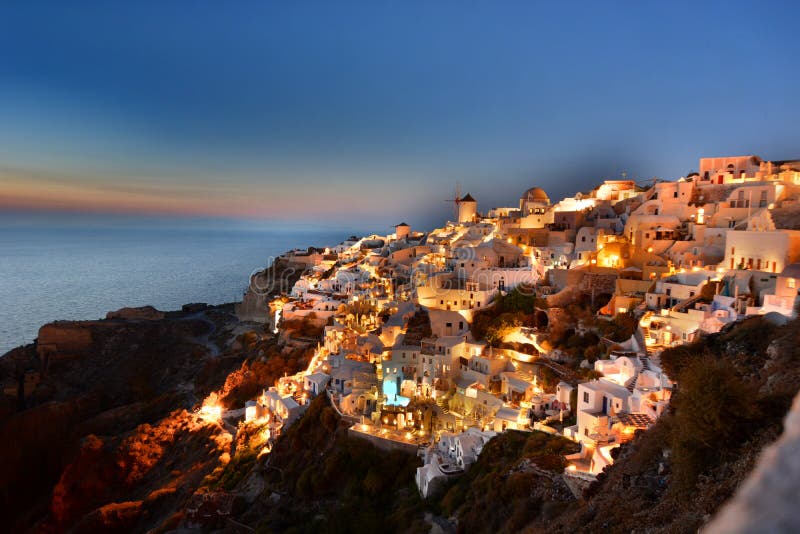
791	283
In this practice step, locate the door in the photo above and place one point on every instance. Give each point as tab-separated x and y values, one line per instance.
605	404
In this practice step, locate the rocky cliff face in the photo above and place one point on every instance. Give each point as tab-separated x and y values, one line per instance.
767	501
104	437
278	278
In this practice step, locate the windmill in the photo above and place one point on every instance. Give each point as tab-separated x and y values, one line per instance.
649	183
456	200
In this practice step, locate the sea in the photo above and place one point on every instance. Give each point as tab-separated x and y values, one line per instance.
76	269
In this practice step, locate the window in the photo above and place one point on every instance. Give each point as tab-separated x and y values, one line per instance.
583	239
675	194
791	283
586	397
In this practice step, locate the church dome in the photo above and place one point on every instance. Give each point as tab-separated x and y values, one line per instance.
535	194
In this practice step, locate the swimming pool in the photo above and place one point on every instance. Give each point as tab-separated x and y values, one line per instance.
392	397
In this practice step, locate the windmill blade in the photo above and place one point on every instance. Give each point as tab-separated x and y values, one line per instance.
456	200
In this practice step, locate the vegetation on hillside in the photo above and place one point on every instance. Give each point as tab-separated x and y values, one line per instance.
331	482
508	486
515	308
734	388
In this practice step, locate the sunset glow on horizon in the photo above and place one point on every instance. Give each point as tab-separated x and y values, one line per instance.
42	193
359	107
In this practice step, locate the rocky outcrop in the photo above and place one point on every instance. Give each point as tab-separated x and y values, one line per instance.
110	483
100	431
264	285
64	339
144	313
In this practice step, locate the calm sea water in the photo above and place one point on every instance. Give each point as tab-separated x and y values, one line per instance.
52	271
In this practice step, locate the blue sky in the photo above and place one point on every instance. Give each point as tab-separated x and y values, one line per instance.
345	112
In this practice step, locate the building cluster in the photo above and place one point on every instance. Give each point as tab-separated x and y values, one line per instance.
397	356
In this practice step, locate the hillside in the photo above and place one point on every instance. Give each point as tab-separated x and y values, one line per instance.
108	436
131	453
735	388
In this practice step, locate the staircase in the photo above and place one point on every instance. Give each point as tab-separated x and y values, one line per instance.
630	384
442	403
683	305
643	332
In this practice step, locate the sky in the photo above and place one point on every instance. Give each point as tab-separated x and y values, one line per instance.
341	113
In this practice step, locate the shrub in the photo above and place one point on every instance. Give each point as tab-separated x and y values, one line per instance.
712	410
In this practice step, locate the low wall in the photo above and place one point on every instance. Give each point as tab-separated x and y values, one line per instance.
382	443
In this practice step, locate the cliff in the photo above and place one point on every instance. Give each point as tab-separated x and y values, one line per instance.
767	501
108	439
734	389
102	387
264	285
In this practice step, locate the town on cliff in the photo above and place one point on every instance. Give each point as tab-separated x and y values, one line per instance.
546	316
556	366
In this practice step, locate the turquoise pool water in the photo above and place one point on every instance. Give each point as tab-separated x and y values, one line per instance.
392	397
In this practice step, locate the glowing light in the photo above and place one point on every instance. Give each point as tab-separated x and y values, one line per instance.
211	410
